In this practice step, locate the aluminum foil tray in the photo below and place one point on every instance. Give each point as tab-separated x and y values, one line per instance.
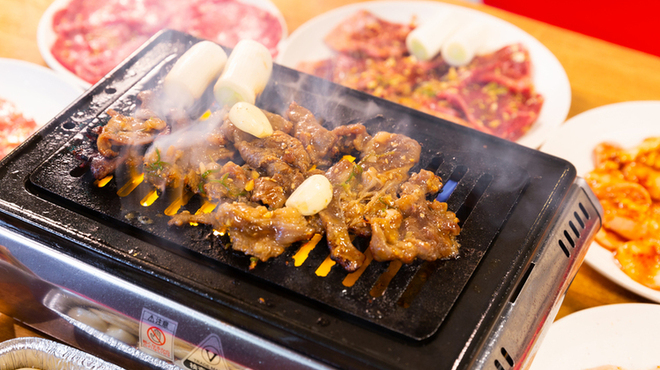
45	354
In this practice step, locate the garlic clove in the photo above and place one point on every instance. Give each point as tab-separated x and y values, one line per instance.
312	196
249	118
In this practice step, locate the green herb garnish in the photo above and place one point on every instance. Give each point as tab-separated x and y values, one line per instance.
158	165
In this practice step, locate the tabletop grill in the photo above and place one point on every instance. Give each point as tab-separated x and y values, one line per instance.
526	220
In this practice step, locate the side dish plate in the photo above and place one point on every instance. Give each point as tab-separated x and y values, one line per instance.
626	124
623	335
46	36
38	92
306	44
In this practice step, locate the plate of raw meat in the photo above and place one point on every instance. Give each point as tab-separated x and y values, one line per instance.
513	87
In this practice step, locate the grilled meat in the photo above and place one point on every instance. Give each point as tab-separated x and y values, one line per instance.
316	139
373	193
334	220
412	227
256	231
127	131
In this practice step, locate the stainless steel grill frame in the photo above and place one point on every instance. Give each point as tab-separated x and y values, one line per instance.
56	257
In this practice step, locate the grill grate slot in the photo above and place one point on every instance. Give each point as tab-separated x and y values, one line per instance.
473	197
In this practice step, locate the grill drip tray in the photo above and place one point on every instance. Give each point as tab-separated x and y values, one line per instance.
513	203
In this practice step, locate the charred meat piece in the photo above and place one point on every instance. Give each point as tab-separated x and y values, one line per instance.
334	221
387	151
280	156
256	231
102	166
278	122
230	181
411	227
386	160
316	139
358	190
350	138
127	131
182	158
269	192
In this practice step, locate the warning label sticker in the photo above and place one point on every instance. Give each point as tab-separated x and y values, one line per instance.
207	355
157	334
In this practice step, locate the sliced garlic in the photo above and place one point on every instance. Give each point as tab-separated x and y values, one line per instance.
246	74
195	70
312	196
249	118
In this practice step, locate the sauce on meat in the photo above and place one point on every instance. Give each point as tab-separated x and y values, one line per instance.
14	127
93	37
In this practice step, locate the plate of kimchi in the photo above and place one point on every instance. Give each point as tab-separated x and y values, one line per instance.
616	149
86	39
610	337
513	87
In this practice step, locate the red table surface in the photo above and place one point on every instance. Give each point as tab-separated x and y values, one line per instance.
632	23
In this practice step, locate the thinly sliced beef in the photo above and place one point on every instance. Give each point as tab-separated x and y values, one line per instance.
228	182
127	131
282	159
342	250
269	192
350	138
178	161
255	231
102	166
411	227
358	189
371	57
316	139
367	35
510	67
387	151
495	110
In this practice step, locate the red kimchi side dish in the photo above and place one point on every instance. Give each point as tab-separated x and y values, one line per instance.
627	183
494	93
94	36
14	127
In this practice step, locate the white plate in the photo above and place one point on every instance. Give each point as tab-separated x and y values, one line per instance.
38	92
306	44
626	124
46	37
624	335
